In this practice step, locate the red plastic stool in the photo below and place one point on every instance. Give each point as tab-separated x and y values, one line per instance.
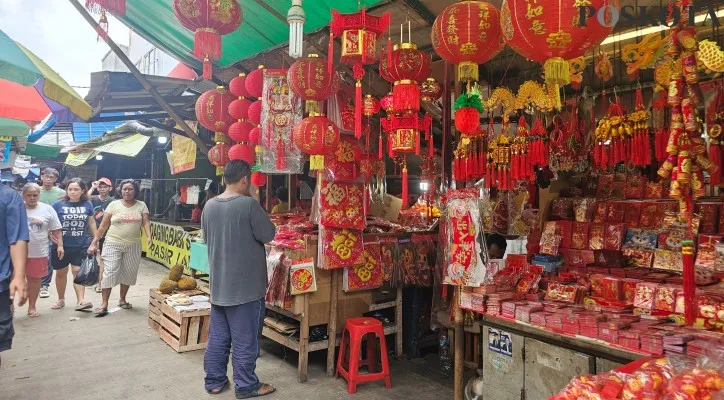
355	329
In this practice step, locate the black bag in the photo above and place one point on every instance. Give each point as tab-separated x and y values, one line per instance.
88	273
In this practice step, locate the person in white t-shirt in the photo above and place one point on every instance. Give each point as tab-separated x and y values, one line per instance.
42	222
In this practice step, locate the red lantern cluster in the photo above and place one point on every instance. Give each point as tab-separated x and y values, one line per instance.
316	135
310	79
243	152
209	20
212	110
467	33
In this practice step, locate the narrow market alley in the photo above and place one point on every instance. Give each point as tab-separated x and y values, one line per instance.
57	356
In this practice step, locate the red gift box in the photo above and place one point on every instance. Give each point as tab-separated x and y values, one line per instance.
596	236
635	187
709	213
616	211
579	236
613	237
632	214
654	190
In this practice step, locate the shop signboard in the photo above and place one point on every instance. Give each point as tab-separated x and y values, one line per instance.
170	245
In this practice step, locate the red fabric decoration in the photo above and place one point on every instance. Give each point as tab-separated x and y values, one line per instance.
405	188
406	63
239	108
341	248
475	37
368	275
387	103
342	165
115	7
237	86
258	179
254	82
242	152
405	97
212	110
219	155
467	120
316	135
310	80
239	131
254	113
209	20
255	136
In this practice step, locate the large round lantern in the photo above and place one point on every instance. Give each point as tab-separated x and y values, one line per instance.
254	113
258	178
310	79
239	108
406	63
254	82
219	157
237	86
316	135
243	152
208	19
212	110
552	32
430	90
240	131
467	33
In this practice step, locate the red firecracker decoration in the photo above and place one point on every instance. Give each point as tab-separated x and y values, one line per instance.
430	90
237	86
254	113
310	79
551	33
316	135
714	121
209	20
467	33
219	157
115	7
254	82
258	179
212	110
243	152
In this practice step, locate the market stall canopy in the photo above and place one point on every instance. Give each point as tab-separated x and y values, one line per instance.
120	92
21	72
261	29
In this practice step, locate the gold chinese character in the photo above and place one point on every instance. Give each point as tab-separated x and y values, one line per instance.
468	48
534	11
559	40
538	27
339	245
453	39
581	3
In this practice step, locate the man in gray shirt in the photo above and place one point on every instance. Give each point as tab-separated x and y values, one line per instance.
236	227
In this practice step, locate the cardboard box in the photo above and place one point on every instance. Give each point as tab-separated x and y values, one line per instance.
389	209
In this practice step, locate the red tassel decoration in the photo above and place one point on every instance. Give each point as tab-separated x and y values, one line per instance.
389	52
647	148
379	146
405	188
430	146
281	155
207	70
597	154
358	110
493	176
417	143
687	251
330	53
604	156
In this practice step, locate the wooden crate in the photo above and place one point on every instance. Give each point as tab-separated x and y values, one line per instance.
182	330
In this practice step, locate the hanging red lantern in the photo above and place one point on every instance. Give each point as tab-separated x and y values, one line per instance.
467	33
219	157
406	63
370	106
242	152
551	33
387	103
254	113
310	79
239	131
430	90
254	82
209	20
239	108
316	135
258	179
237	86
255	136
359	32
404	137
212	110
405	97
115	7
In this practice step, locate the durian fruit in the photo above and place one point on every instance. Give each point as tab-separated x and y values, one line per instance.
187	283
176	272
167	286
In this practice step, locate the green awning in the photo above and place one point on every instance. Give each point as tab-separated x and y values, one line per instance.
40	151
260	30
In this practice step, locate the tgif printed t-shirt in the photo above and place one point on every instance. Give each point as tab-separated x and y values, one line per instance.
74	222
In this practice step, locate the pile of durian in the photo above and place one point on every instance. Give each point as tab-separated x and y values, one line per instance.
176	280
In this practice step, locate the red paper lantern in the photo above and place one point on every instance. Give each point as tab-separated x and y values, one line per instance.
387	103
212	110
254	113
258	179
239	108
407	63
430	90
551	32
405	97
209	20
219	157
467	33
370	106
359	32
316	135
254	82
467	120
310	79
404	133
239	131
255	136
242	152
237	86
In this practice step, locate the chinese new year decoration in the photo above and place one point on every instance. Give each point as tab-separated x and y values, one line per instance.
404	137
212	111
115	7
219	157
551	33
467	33
209	20
310	79
467	113
316	135
714	121
430	90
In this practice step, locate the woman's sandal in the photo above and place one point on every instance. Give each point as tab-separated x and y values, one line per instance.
101	312
98	289
58	305
220	389
34	314
125	306
86	305
263	390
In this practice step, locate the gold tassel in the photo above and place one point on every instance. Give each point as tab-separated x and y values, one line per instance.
557	73
312	107
467	71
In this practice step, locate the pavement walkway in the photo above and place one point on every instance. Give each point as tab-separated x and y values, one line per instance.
66	354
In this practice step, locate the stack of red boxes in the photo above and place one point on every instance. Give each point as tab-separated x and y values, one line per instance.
652	341
539	318
523	312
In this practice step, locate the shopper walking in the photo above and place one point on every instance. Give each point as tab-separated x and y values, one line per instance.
236	228
42	223
122	220
49	194
13	254
100	203
75	213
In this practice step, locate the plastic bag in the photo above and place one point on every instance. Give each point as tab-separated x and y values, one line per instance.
88	273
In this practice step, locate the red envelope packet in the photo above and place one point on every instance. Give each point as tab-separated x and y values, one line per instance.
635	187
638	258
605	186
584	209
616	212
709	213
668	260
654	190
628	287
601	212
665	298
618	191
579	236
562	209
671	240
613	239
649	215
644	297
579	258
564	230
340	248
632	214
596	236
388	254
343	164
341	205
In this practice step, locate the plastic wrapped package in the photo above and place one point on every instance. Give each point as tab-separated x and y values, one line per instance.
341	205
278	276
425	258
465	264
343	164
368	275
406	262
281	112
388	255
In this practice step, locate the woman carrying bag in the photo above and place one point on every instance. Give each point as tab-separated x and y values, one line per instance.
123	220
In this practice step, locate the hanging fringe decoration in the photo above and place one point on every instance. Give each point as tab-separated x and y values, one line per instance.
359	73
405	187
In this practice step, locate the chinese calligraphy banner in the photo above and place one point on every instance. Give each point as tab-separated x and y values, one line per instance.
464	265
281	112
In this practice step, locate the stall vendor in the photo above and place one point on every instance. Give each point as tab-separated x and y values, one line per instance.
282	195
496	245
